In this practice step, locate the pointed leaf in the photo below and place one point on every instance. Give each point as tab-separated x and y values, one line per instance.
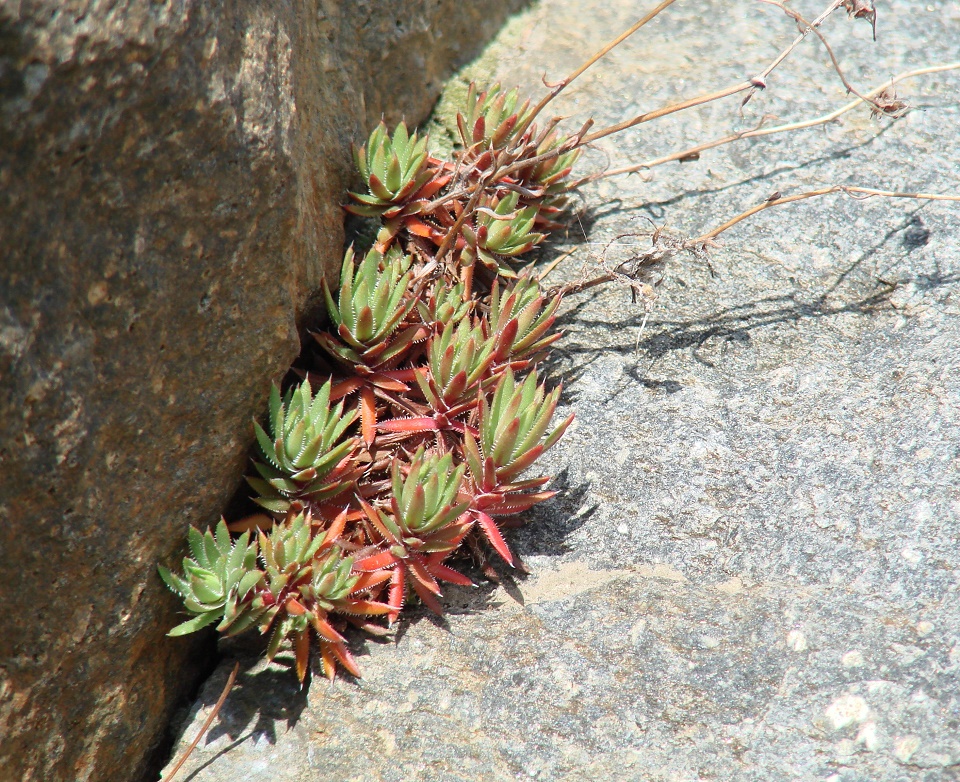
192	625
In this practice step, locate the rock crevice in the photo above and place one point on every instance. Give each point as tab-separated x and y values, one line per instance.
170	183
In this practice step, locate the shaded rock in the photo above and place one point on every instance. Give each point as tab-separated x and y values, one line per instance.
170	182
751	573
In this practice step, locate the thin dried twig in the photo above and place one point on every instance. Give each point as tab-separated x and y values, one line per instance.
637	268
206	724
637	272
860	193
762	76
759	130
804	24
542	275
556	89
454	232
756	82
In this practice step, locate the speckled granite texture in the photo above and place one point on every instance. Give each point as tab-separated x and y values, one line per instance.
751	573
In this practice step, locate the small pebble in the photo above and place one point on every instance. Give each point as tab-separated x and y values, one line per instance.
924	628
852	659
847	710
796	641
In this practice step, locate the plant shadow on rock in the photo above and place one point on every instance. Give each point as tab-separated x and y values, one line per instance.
735	323
258	702
657	210
546	528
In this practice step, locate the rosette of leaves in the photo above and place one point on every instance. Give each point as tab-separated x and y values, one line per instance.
216	581
288	553
445	304
520	322
504	231
288	604
513	425
492	117
513	434
370	305
333	588
394	169
424	524
307	455
458	363
457	360
548	174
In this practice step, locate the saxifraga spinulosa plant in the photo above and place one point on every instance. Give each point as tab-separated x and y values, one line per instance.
405	446
405	442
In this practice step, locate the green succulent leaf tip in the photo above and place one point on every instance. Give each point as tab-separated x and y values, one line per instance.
427	498
513	426
393	168
306	452
370	305
503	230
216	580
288	551
493	117
458	359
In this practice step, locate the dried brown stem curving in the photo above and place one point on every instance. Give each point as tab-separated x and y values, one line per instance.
663	246
760	130
762	76
556	89
751	84
206	724
754	83
804	24
860	193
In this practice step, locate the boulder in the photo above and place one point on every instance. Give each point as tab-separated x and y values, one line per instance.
751	570
171	176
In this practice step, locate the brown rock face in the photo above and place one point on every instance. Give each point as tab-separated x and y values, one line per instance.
170	181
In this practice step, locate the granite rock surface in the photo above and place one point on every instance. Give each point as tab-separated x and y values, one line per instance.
751	572
171	175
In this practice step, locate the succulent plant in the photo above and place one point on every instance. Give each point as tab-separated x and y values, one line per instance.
216	581
307	455
549	174
493	117
457	360
332	589
289	553
333	586
444	305
503	231
513	425
423	526
513	434
394	169
520	321
370	305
